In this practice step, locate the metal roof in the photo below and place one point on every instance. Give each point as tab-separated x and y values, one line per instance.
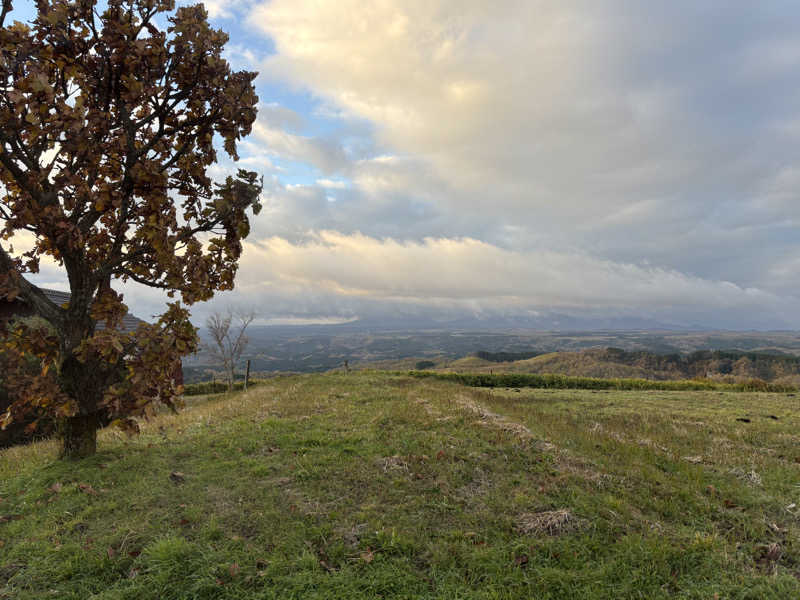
129	322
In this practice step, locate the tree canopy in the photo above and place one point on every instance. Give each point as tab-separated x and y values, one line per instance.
109	122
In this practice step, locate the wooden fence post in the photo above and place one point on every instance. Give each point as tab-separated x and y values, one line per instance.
247	375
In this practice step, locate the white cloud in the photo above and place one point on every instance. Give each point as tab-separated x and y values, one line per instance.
580	154
280	117
223	9
327	155
329	273
334	184
627	134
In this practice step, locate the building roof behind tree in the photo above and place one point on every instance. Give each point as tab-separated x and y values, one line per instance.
59	298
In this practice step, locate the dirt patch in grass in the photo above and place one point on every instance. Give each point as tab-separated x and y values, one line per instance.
549	522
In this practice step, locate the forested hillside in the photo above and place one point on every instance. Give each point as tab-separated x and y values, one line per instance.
723	365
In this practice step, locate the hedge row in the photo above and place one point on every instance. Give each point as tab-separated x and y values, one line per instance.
533	380
215	387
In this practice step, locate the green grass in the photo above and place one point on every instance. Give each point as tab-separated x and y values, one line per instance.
373	485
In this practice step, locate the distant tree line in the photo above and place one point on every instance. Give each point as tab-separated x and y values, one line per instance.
700	363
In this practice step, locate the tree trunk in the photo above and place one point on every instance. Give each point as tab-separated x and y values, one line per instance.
84	382
231	376
79	436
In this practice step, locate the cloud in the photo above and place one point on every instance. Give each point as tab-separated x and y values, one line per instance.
625	134
276	116
332	184
223	9
461	155
327	155
332	274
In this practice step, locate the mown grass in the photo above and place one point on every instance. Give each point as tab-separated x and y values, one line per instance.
372	485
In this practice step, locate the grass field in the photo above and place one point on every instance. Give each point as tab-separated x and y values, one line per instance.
371	485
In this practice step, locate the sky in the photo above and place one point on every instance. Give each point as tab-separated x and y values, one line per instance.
438	158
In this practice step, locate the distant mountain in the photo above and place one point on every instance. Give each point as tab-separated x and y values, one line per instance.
545	322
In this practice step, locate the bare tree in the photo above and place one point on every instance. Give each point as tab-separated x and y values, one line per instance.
228	333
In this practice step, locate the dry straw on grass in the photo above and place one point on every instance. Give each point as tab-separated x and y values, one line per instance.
550	522
394	463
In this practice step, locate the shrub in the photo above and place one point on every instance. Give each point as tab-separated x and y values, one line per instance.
424	364
215	387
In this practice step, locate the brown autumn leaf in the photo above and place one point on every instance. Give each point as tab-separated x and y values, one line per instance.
521	560
110	552
368	556
7	518
88	489
160	220
233	570
177	477
55	488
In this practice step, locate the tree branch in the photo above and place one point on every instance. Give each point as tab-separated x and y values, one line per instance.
31	294
7	8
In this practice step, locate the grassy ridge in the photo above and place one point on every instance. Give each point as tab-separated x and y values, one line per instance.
554	381
372	485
